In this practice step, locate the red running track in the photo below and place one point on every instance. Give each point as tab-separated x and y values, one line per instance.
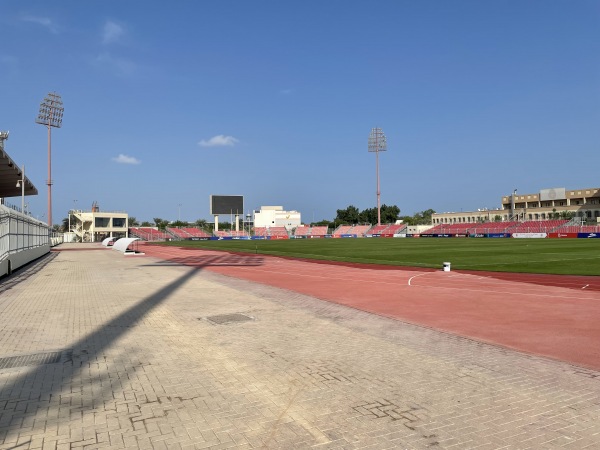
552	316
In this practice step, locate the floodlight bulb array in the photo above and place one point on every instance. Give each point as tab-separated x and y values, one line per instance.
51	111
377	140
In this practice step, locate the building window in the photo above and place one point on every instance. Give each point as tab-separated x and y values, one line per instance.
118	222
101	222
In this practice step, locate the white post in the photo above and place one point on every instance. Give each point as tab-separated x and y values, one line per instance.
23	191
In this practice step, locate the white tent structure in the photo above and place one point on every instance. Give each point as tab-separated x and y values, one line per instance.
106	242
123	244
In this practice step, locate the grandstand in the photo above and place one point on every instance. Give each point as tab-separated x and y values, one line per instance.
387	229
231	233
149	234
342	229
261	231
278	231
187	233
360	230
195	232
537	226
319	231
394	229
178	233
302	230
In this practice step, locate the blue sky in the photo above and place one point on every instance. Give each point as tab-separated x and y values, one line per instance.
169	102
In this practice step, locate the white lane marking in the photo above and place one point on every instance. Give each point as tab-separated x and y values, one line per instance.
415	276
585	286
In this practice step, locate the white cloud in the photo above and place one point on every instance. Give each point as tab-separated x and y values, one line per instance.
121	66
43	21
124	159
111	32
286	91
219	140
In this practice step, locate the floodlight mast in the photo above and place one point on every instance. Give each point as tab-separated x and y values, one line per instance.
51	115
377	143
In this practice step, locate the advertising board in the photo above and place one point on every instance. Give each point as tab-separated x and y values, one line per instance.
562	235
529	235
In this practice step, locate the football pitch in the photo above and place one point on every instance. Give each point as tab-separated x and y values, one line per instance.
548	256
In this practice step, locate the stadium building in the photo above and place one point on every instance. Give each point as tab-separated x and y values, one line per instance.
96	225
275	216
557	203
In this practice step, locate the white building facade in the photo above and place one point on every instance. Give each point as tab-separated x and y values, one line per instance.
275	216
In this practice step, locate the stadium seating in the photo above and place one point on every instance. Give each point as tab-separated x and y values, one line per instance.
491	227
319	231
579	229
342	229
196	232
302	231
178	233
149	234
394	229
230	233
261	231
360	230
278	231
537	226
378	229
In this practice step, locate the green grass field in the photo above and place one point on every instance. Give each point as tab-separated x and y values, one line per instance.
553	256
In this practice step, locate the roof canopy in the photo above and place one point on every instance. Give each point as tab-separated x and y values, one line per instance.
10	173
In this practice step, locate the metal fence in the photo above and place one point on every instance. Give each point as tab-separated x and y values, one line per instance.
22	239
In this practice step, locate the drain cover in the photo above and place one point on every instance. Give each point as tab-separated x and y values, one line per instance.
224	319
36	359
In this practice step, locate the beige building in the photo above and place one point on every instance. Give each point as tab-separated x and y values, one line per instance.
547	204
96	225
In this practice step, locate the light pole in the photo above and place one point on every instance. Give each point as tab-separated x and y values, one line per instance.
377	143
51	114
512	204
21	184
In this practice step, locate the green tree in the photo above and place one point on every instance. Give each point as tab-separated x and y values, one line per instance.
389	214
348	216
201	223
160	223
145	223
133	222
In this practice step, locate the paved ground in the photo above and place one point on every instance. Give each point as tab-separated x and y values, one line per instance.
133	352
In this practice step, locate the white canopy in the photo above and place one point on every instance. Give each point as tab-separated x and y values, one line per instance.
106	241
122	244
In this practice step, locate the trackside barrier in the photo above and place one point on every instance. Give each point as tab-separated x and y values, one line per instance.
530	235
562	235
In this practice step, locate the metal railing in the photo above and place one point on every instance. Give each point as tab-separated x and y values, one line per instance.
20	233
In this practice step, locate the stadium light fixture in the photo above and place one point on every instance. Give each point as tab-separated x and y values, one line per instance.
51	115
377	143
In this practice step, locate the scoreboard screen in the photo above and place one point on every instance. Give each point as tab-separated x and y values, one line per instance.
226	204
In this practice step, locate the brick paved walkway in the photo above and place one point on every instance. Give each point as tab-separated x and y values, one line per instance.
101	350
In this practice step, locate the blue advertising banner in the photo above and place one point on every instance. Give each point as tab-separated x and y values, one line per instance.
259	238
348	235
588	235
498	235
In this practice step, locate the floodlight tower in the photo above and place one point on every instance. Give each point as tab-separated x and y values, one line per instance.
51	114
377	143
